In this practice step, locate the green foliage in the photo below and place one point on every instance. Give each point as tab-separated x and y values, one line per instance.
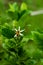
7	33
26	48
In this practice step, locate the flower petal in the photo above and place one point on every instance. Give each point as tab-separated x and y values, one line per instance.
19	28
15	35
15	29
21	34
22	31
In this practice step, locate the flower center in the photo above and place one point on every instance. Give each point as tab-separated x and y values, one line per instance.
17	33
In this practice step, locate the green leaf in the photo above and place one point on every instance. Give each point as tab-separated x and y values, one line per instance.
39	39
23	6
13	15
8	33
14	7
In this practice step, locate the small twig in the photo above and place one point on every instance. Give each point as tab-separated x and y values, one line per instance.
36	12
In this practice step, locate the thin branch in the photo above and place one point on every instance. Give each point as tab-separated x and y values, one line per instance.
36	12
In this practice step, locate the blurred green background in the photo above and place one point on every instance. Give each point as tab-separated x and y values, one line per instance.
35	23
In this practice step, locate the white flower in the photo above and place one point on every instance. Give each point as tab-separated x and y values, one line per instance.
18	32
